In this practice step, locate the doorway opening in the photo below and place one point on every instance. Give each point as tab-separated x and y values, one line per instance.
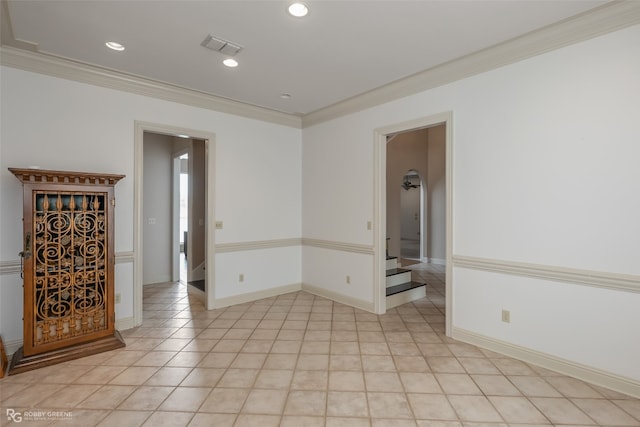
427	168
411	216
173	196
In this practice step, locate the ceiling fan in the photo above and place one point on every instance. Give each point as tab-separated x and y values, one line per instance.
408	184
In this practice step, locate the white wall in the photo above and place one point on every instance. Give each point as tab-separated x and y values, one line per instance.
436	241
60	124
545	156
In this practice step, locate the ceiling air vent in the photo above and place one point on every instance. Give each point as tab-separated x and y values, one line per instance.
219	45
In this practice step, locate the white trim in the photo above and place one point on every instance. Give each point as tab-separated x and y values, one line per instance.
437	261
586	373
610	17
599	279
338	246
340	298
257	245
210	250
10	267
76	71
380	206
258	295
125	323
124	257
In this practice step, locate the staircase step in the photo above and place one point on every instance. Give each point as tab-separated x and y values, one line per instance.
411	291
396	276
392	262
403	287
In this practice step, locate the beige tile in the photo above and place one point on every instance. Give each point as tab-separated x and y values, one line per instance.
374	348
457	384
286	346
347	422
346	381
434	350
604	412
475	408
411	364
495	385
315	347
68	396
100	375
107	397
146	398
186	359
313	362
517	410
306	402
571	387
203	377
238	378
134	375
274	379
212	420
228	346
168	376
382	381
415	382
185	399
257	345
309	380
125	418
392	422
225	400
215	360
445	365
280	361
155	358
249	420
347	404
249	360
630	406
169	419
81	418
512	366
431	407
389	405
476	365
560	411
266	401
534	386
301	421
378	363
345	362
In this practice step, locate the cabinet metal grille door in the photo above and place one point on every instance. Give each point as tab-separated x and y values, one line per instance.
69	266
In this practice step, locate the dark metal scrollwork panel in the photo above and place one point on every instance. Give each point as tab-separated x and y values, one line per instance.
70	259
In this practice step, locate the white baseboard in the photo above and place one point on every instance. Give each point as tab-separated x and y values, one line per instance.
437	261
591	375
11	347
343	299
254	296
200	295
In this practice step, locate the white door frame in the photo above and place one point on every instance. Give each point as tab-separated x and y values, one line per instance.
380	206
209	139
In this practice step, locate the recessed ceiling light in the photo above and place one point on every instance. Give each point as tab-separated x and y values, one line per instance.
285	95
115	46
230	62
298	10
182	136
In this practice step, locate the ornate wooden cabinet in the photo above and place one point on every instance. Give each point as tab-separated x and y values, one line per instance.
68	267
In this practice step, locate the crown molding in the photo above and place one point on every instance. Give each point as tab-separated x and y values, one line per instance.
71	70
610	17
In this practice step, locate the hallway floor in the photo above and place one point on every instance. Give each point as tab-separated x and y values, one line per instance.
301	360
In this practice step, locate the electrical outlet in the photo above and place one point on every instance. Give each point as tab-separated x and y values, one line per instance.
368	225
118	298
241	278
506	316
348	279
219	225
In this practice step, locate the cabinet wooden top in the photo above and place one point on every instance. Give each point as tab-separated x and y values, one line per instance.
34	176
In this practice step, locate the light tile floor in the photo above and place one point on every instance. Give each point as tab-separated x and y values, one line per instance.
301	360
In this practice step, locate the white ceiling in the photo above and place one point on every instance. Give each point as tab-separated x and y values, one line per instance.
340	50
